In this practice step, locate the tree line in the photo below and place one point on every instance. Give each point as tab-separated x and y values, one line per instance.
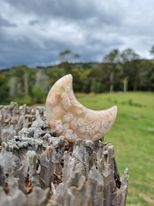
118	71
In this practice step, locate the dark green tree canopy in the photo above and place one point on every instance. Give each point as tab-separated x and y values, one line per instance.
119	71
112	57
129	55
152	51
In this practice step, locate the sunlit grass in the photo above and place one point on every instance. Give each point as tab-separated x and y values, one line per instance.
133	138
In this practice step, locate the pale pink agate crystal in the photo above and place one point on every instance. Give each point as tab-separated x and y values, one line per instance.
69	118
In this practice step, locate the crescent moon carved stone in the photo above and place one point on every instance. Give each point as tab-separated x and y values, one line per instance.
67	117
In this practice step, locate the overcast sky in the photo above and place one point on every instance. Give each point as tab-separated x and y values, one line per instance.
33	32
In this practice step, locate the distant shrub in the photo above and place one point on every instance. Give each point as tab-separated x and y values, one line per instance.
38	95
24	99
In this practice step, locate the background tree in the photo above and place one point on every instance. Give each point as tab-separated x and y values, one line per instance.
112	58
152	51
129	59
26	82
41	86
65	57
76	56
4	88
13	87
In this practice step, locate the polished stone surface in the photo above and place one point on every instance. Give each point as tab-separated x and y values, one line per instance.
67	117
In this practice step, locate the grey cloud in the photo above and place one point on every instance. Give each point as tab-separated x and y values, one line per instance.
6	23
69	9
34	32
34	22
66	8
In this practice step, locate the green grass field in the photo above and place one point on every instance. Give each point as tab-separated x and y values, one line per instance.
133	138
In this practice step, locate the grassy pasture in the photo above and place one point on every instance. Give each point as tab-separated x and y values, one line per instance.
133	138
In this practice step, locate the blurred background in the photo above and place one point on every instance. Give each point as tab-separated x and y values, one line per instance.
108	47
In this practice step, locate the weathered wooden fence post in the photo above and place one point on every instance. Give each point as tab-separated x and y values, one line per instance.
37	168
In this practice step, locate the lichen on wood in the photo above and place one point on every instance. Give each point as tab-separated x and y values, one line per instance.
37	168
